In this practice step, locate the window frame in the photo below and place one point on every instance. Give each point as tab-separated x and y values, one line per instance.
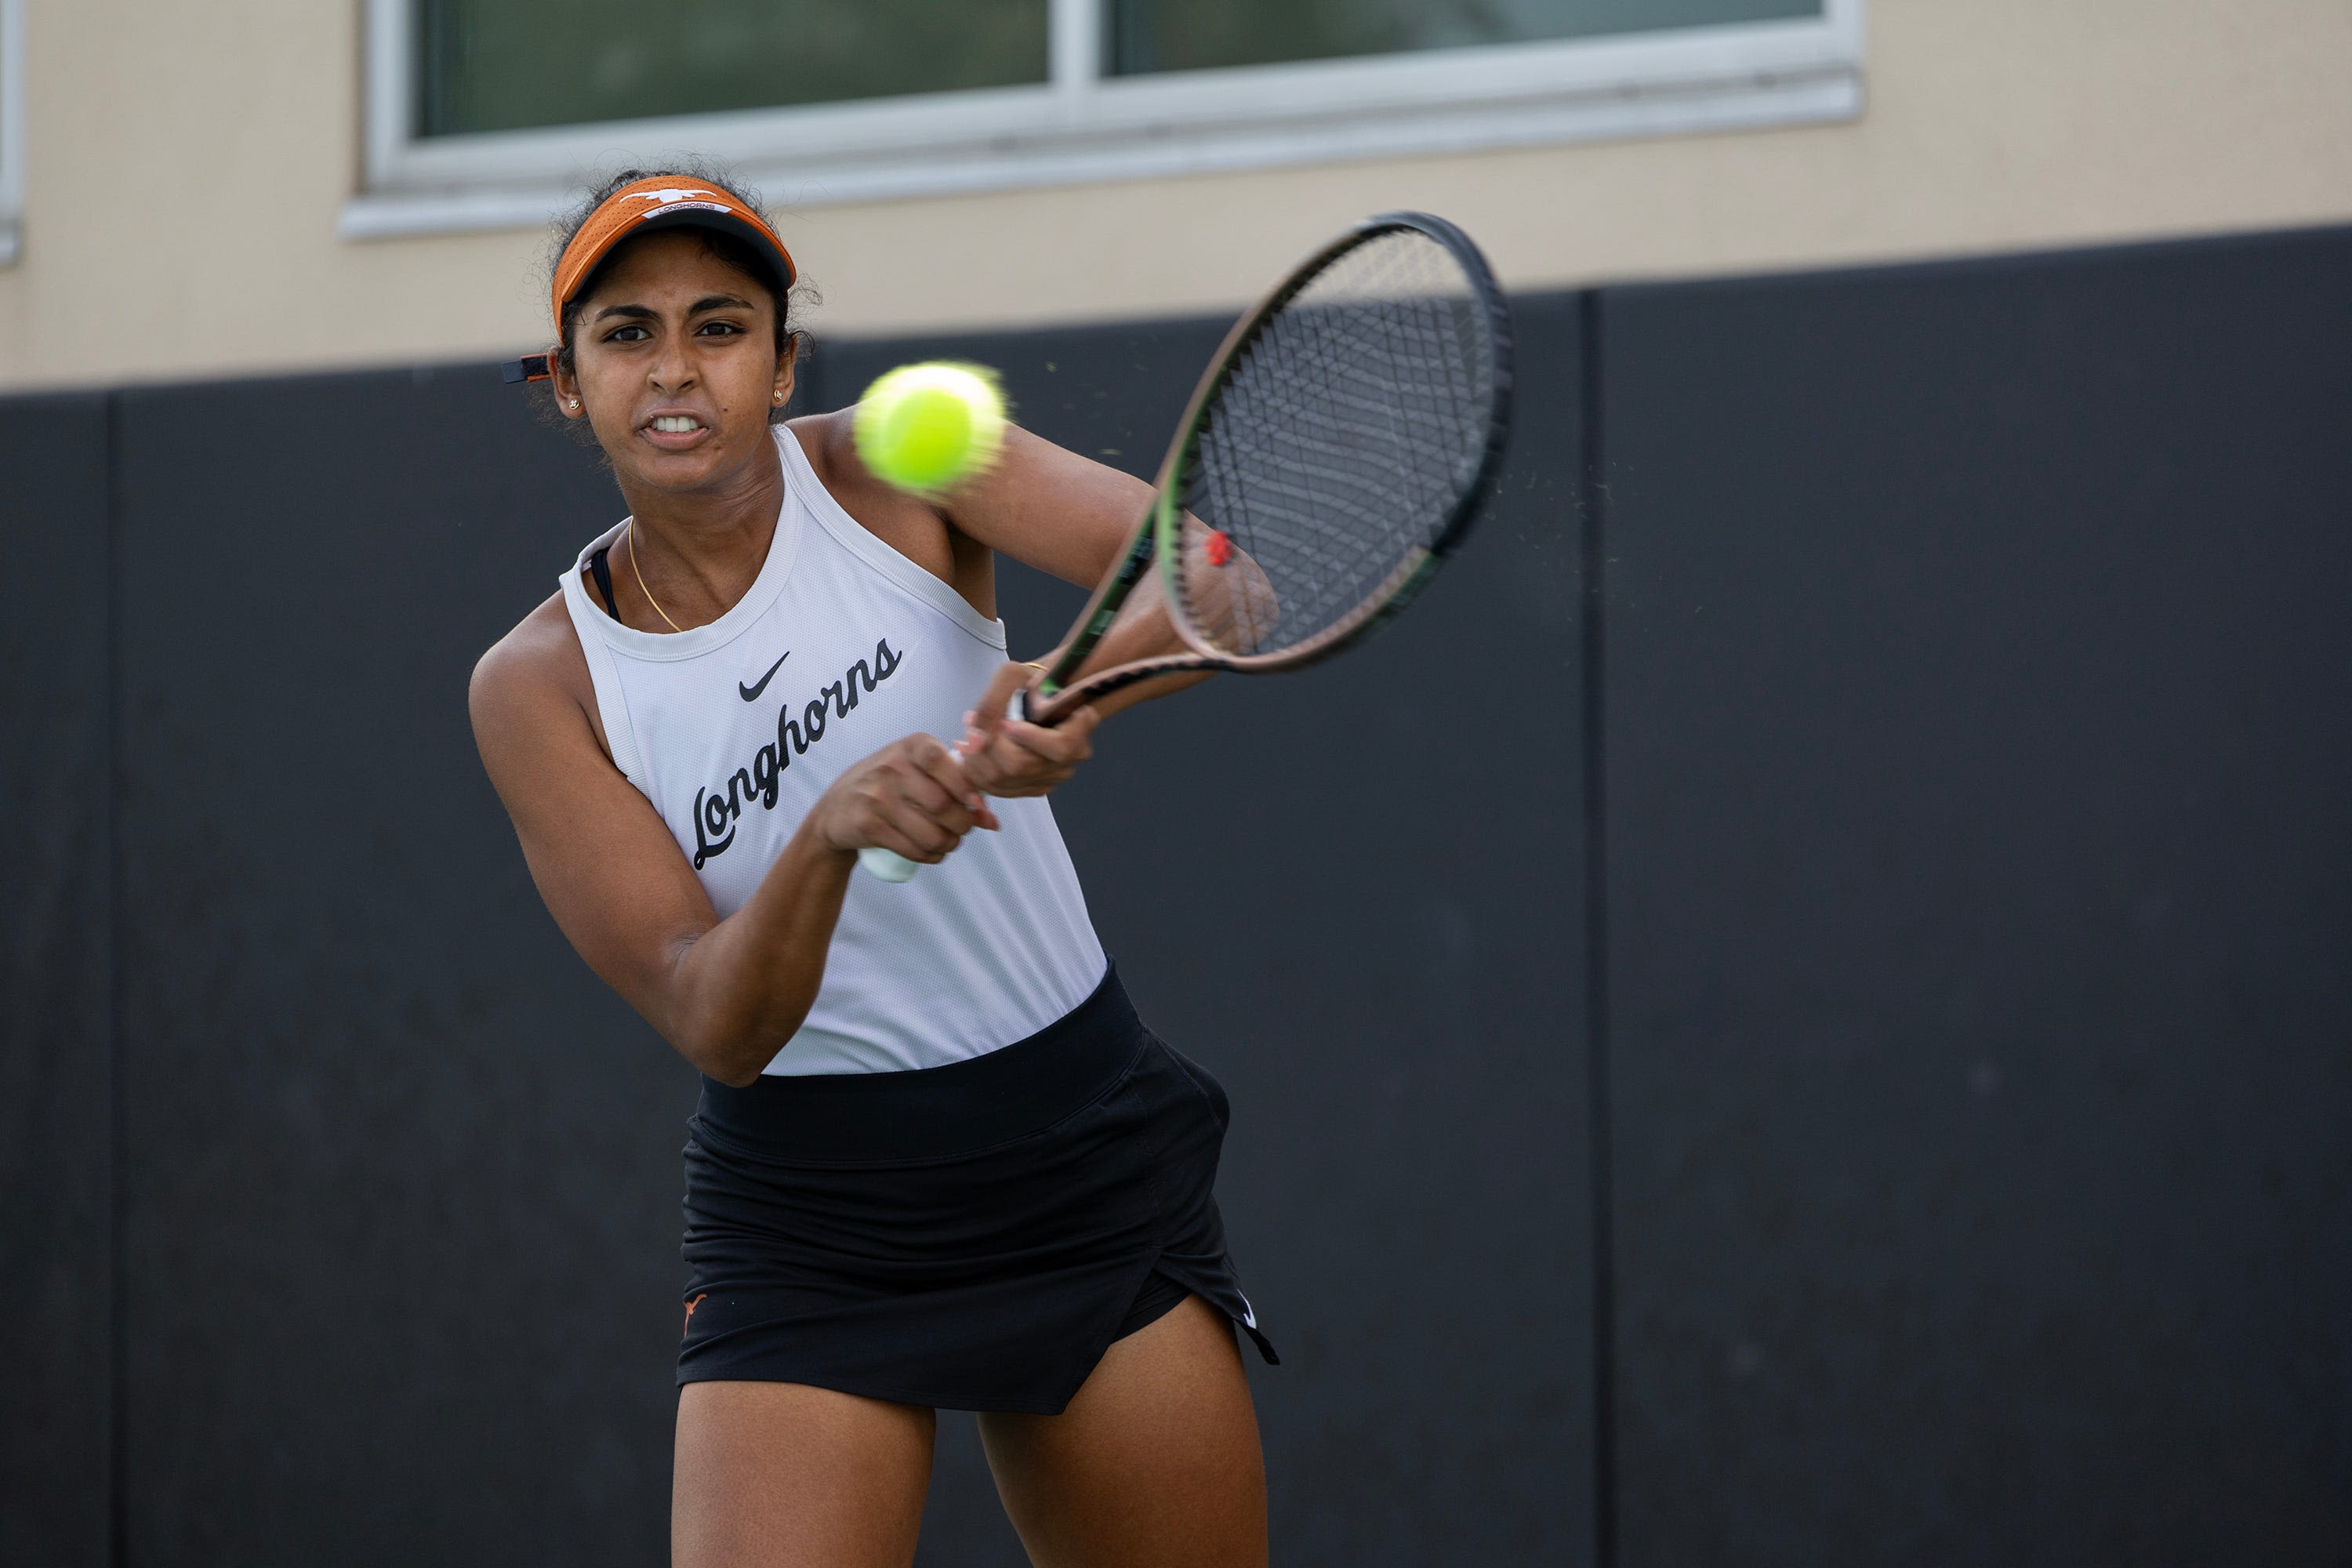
1079	125
12	129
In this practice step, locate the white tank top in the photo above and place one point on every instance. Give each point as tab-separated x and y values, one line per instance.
733	729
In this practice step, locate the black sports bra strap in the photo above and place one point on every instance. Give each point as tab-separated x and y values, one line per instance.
601	570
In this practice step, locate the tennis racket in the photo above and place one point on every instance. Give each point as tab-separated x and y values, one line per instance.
1334	453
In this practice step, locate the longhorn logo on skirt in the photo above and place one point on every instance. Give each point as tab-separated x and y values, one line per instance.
717	812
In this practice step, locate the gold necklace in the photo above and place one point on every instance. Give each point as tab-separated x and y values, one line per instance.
638	571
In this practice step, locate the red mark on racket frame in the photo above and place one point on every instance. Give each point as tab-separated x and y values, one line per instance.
1220	548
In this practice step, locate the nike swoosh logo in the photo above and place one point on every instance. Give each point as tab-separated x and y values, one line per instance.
751	692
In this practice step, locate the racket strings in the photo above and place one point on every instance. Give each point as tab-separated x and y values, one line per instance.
1342	442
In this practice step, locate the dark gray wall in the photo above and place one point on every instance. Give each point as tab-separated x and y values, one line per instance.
55	1263
400	1202
1979	654
1970	682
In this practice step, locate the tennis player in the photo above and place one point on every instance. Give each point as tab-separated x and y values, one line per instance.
938	1162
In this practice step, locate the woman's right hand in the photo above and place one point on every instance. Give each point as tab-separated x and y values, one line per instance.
911	796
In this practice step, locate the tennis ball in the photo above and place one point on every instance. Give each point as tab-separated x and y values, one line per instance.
929	428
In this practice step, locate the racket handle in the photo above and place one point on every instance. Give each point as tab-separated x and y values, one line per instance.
887	864
892	866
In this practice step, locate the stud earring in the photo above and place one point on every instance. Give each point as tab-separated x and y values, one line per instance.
575	406
779	398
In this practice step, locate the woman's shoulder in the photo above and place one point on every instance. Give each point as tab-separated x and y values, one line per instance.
907	523
829	443
537	666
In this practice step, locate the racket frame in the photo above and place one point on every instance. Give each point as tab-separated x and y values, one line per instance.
1160	531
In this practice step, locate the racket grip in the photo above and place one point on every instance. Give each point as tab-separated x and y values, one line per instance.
888	865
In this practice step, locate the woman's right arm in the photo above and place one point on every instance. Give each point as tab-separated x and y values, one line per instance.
727	993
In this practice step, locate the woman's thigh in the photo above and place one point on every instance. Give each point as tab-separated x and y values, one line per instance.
1155	1462
780	1475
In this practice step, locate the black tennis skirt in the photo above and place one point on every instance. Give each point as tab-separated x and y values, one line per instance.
970	1237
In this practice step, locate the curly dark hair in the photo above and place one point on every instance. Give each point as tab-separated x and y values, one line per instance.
737	253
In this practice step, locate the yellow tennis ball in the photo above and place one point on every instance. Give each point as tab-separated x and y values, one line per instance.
929	428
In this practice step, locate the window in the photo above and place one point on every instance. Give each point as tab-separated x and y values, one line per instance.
12	125
510	64
1194	35
481	112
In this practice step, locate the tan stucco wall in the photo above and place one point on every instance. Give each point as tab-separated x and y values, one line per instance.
225	138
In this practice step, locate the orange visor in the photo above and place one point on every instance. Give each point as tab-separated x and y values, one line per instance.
664	200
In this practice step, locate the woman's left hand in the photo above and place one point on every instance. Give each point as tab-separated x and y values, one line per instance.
1005	756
